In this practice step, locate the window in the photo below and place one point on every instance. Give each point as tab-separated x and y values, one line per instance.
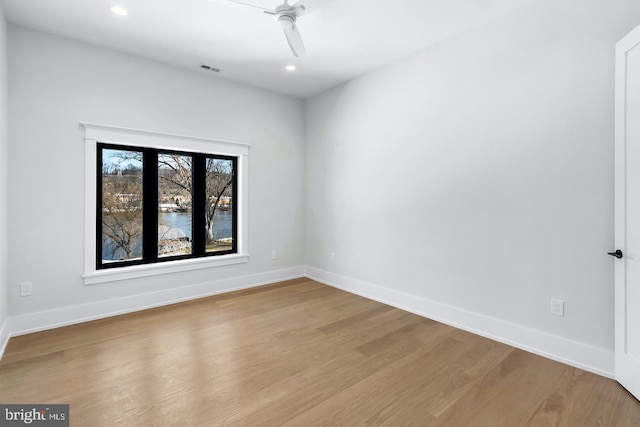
159	203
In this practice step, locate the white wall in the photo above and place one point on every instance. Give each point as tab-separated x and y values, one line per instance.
476	176
55	84
3	181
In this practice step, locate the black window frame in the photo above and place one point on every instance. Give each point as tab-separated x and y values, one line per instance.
150	206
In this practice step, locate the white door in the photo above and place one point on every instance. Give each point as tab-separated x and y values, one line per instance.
627	213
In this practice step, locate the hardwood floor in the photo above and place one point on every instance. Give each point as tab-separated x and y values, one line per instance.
298	353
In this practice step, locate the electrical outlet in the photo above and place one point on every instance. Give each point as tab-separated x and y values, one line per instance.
557	307
333	257
26	289
274	254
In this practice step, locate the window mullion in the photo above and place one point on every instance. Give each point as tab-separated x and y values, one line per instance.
198	208
150	206
99	210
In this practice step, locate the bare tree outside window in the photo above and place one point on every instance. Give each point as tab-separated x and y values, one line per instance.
175	192
219	196
121	205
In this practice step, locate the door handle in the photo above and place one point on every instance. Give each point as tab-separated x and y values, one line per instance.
617	253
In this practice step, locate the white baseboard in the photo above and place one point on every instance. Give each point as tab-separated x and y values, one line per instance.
5	334
596	360
580	355
39	321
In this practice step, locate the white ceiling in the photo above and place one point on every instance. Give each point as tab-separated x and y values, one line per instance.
344	39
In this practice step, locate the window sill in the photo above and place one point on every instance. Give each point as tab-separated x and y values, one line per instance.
147	270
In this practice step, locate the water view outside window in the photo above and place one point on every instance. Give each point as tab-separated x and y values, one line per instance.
159	205
121	205
175	197
219	207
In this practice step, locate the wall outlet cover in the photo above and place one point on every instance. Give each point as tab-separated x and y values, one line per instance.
557	307
26	289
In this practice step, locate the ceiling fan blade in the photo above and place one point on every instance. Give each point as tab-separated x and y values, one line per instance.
265	10
304	7
295	41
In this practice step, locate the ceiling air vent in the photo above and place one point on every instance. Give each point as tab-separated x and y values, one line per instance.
209	68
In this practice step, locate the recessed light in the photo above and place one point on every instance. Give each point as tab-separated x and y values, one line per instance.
290	68
119	11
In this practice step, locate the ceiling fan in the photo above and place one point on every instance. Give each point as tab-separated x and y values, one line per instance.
287	15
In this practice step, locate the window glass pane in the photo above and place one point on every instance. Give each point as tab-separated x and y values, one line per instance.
175	189
219	205
121	205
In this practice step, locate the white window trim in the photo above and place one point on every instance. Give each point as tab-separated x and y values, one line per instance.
94	133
